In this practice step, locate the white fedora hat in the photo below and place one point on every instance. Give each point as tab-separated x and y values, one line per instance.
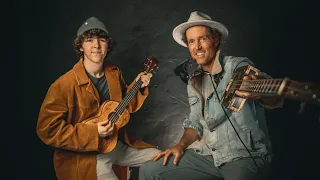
198	19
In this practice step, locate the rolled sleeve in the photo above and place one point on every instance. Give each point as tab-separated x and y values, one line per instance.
194	125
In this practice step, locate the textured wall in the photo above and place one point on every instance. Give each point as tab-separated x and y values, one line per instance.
143	28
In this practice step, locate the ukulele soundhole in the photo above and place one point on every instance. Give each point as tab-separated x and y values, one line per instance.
113	117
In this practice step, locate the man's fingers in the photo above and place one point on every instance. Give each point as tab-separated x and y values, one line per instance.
139	76
142	73
103	123
166	156
109	131
108	125
158	156
246	78
247	95
145	78
257	77
176	158
150	75
254	77
165	159
242	94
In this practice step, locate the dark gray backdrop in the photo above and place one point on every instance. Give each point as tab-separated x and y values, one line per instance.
277	35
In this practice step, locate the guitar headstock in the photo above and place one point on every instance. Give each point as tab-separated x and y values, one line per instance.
303	91
151	65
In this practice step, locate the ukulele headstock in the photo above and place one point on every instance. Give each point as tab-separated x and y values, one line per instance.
151	65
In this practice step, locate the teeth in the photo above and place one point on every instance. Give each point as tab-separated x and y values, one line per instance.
200	54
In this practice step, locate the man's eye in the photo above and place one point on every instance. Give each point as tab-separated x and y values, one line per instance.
191	41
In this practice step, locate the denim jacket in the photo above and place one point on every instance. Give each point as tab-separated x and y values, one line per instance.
208	118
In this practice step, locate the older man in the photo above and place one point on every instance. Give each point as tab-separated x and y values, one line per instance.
223	155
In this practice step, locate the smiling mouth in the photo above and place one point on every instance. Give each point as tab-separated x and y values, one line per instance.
199	54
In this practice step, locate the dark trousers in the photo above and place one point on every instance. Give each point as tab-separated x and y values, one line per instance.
192	166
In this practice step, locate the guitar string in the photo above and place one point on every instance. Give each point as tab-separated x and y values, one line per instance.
239	82
127	99
232	87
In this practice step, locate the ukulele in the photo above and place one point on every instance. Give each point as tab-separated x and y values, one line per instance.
116	112
285	87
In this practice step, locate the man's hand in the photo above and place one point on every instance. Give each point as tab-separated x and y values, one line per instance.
248	95
145	78
266	100
176	150
105	128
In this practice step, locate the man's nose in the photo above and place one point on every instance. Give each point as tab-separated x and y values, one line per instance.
96	43
198	45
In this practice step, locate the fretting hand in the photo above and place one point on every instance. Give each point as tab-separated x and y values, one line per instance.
145	78
248	95
267	100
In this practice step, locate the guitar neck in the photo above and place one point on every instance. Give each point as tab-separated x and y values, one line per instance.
285	87
271	87
126	100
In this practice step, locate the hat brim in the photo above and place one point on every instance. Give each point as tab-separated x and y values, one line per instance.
179	31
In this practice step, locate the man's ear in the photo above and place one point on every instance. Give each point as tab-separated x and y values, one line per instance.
216	40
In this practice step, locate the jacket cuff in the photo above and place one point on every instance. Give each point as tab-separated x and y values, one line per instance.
193	125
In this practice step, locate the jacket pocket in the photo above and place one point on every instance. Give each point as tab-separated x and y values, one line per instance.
246	139
193	100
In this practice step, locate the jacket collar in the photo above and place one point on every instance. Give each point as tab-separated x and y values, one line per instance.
216	67
81	75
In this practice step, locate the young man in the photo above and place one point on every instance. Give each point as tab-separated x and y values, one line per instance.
223	156
76	97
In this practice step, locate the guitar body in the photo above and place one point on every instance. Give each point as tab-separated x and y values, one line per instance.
107	112
229	99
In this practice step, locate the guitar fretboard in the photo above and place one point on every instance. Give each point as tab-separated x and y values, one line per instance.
125	101
279	87
265	86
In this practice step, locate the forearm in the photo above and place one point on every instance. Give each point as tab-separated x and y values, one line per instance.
189	136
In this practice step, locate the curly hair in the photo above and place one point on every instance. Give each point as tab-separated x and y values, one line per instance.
77	43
